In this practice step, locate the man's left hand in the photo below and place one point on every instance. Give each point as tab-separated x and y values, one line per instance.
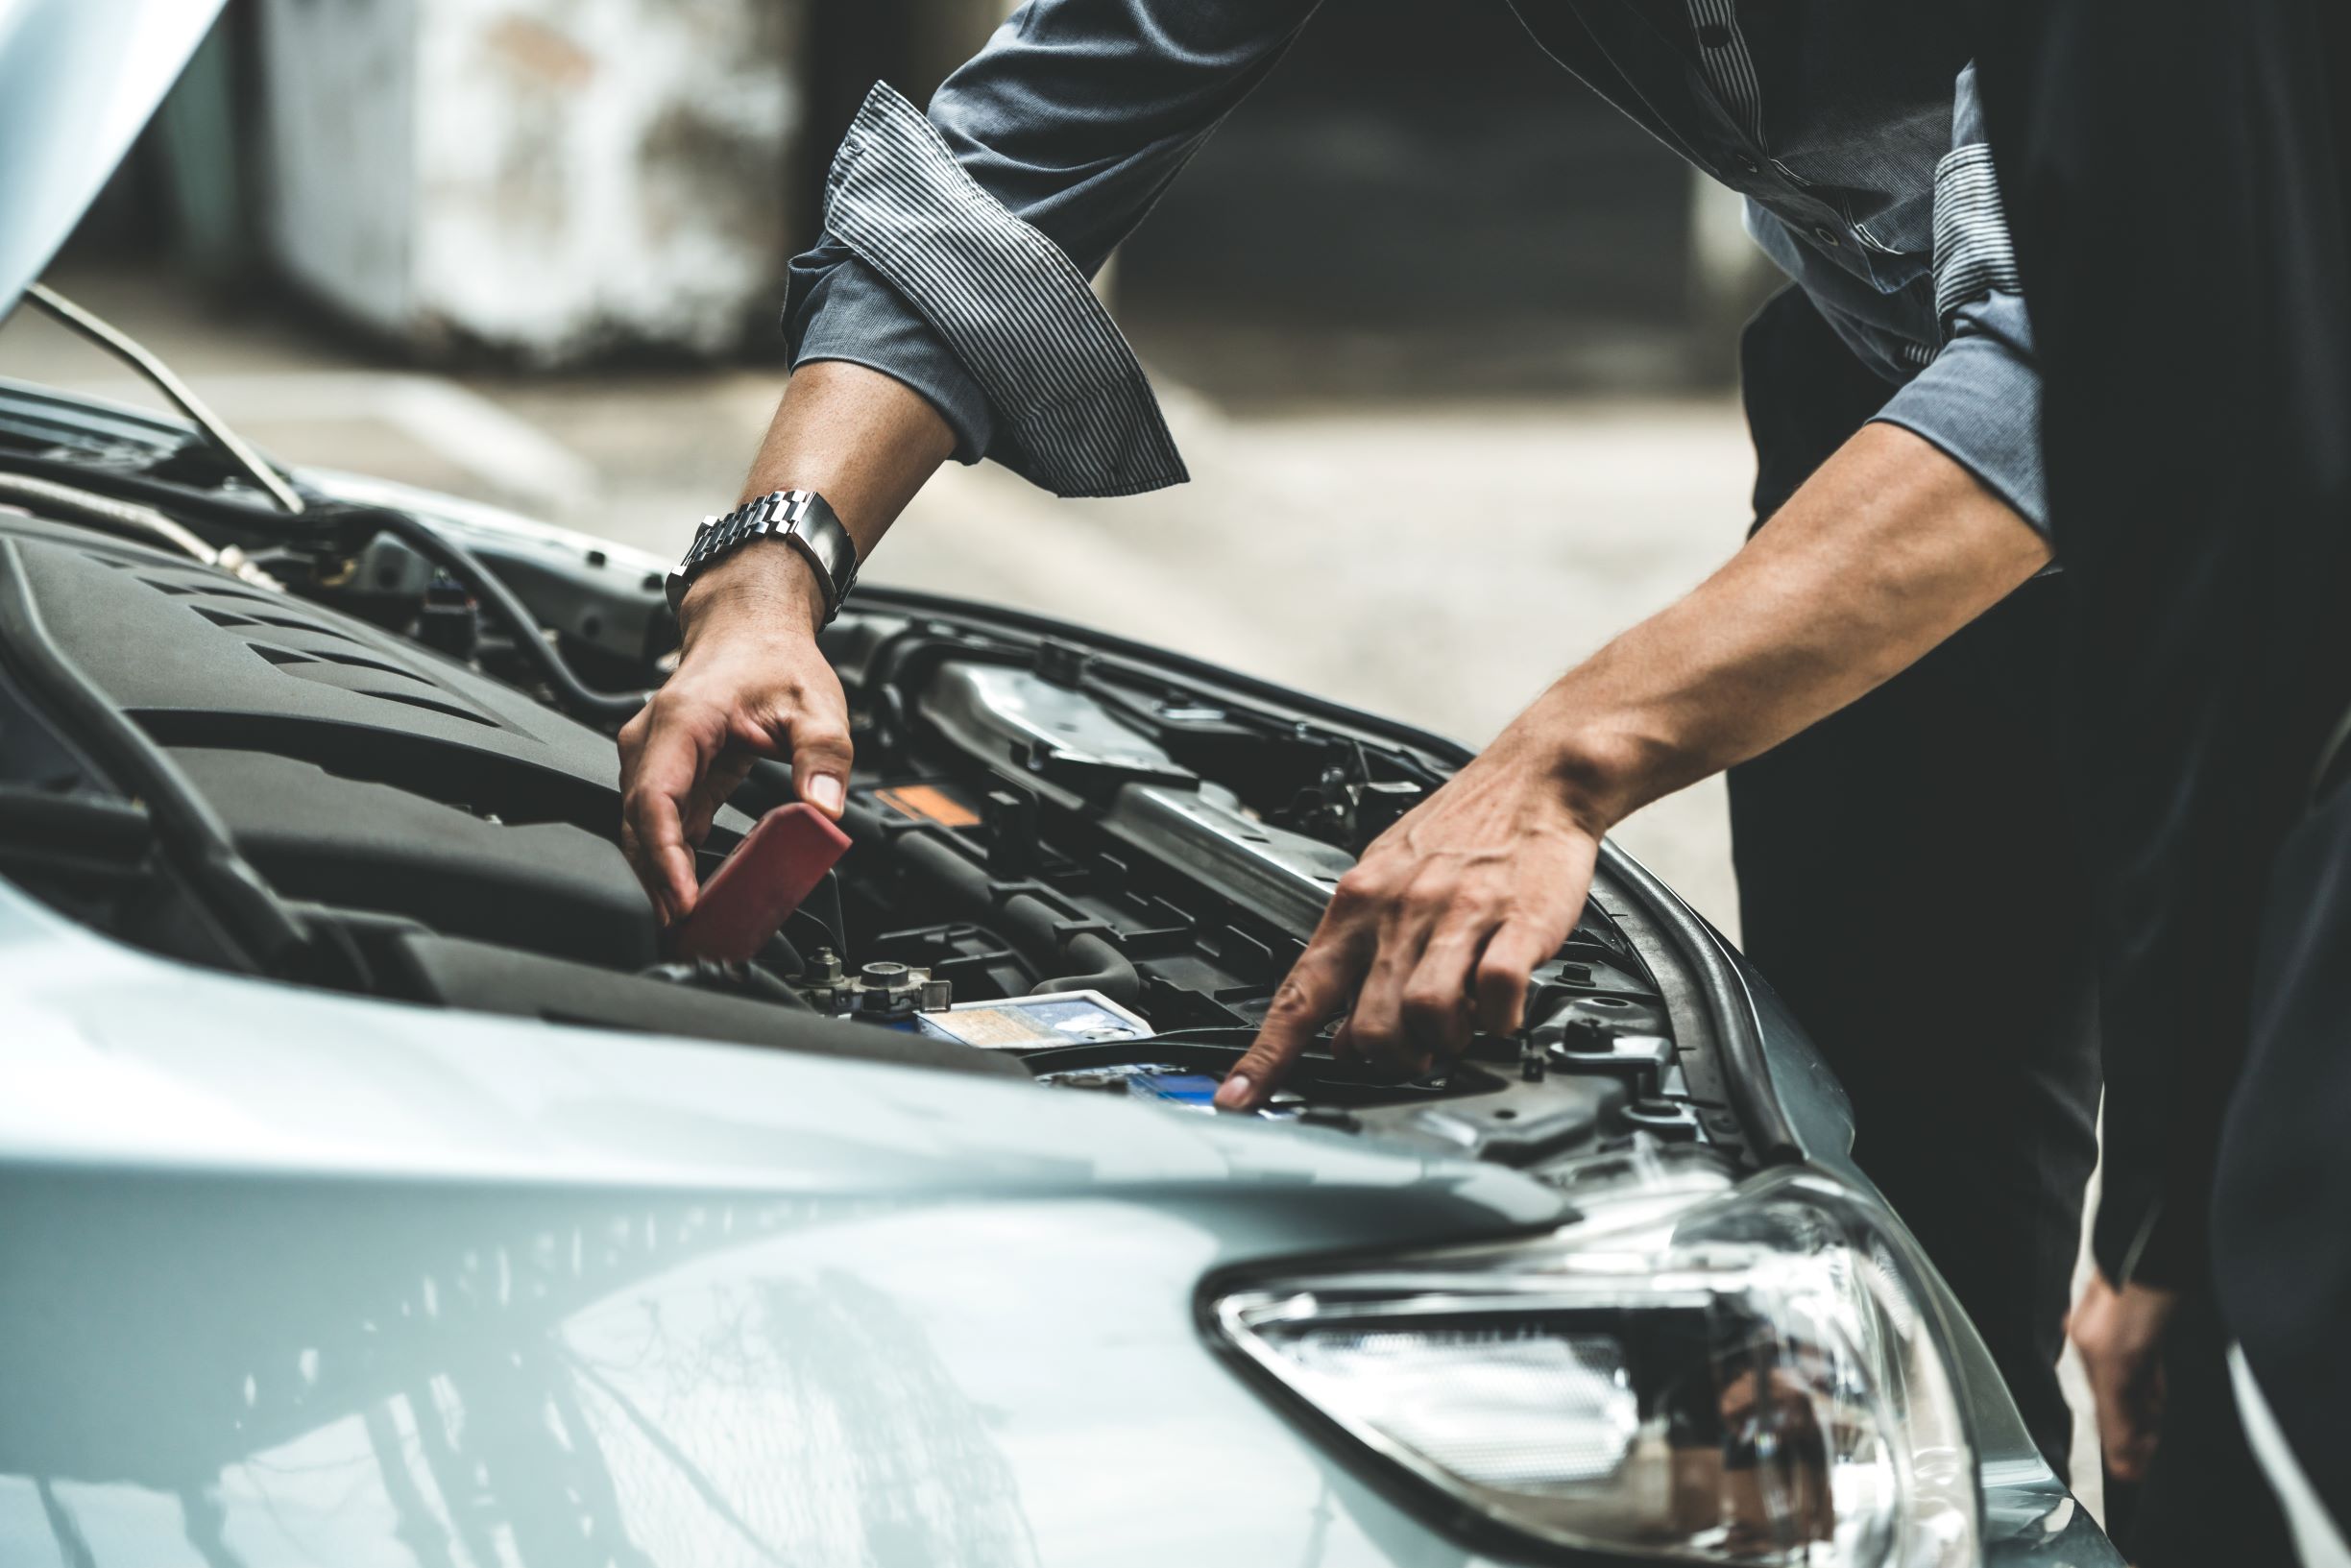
2119	1333
1438	927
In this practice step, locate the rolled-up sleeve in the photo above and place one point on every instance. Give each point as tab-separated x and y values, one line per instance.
1979	401
957	246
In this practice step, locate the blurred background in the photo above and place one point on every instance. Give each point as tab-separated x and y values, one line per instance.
532	251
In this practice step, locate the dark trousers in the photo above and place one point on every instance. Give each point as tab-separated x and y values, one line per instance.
1908	884
2282	1212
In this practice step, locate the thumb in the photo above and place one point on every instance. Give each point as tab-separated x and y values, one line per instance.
820	758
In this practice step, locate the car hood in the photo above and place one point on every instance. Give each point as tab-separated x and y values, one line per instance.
436	1278
78	79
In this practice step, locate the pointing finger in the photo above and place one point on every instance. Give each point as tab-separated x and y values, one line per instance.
1318	985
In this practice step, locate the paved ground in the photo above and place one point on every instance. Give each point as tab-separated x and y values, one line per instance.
1438	563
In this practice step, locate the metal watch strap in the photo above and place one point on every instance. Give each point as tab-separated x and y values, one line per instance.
799	518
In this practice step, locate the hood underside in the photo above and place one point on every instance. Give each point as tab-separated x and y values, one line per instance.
78	80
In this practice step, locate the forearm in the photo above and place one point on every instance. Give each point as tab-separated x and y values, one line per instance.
1888	550
859	439
857	436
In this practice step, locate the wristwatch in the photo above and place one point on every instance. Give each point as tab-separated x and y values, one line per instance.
800	518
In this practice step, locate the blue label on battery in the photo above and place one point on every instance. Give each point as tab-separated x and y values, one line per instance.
1197	1090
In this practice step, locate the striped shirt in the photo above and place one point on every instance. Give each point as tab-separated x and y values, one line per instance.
957	244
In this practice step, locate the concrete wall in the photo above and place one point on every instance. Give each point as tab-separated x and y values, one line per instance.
548	178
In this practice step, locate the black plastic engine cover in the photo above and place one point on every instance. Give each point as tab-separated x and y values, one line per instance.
354	768
546	887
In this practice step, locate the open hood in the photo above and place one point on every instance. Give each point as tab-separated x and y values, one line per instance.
78	79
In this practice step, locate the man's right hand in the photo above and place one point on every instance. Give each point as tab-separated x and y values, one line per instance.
750	683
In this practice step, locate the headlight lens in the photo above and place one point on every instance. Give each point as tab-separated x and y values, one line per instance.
1695	1370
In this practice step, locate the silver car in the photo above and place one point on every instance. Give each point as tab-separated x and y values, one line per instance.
376	1187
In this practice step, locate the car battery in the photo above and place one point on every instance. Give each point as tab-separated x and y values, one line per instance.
1060	1018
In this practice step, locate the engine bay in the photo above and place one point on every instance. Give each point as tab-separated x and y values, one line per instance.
1072	861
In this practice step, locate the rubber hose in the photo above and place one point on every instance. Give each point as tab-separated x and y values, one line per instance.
1111	973
571	693
1033	924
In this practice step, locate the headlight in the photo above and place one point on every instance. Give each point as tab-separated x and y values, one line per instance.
1694	1370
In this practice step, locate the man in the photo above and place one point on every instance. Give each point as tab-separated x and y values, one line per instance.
2200	482
1905	871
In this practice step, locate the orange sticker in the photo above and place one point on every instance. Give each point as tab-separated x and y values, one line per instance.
931	804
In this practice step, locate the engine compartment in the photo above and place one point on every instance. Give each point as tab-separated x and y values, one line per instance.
1090	824
1036	812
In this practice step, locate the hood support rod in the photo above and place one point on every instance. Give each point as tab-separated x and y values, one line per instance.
131	351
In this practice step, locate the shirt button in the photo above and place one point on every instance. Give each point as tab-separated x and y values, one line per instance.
1749	164
1826	236
1715	36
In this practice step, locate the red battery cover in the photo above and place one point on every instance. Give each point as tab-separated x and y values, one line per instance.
755	890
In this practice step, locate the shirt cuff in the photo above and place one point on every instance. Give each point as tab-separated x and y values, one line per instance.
1072	410
847	312
1980	402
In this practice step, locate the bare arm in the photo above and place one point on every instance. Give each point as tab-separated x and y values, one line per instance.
859	438
750	681
1888	550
